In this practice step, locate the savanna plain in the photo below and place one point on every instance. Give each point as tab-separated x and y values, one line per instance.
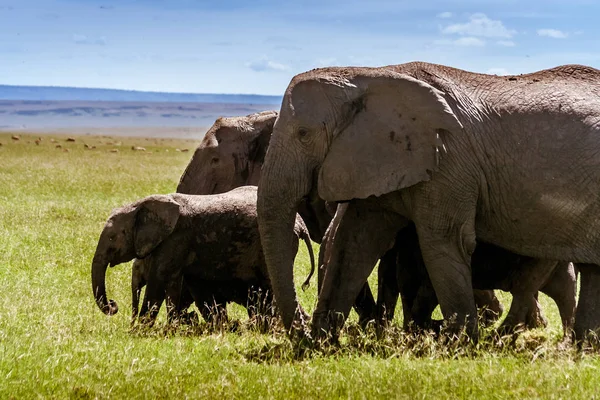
55	343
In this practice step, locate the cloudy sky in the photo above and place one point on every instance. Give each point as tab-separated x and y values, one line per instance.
256	46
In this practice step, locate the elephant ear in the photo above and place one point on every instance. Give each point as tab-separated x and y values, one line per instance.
392	140
155	220
261	135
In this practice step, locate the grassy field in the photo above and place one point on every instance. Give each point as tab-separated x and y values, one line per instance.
55	343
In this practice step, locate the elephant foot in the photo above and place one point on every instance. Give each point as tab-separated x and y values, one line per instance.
587	316
189	318
525	313
365	306
535	318
326	326
488	317
490	308
436	325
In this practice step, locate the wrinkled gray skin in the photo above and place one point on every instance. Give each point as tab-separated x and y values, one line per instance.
511	161
212	241
492	268
232	153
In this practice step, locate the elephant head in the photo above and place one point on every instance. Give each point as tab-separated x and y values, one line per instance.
230	155
132	231
343	133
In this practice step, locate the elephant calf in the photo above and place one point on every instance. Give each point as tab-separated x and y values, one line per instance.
211	242
492	268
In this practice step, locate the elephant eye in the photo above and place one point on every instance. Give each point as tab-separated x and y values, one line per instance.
303	134
214	160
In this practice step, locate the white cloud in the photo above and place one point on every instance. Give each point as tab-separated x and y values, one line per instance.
264	64
506	43
82	39
446	14
480	25
497	71
552	33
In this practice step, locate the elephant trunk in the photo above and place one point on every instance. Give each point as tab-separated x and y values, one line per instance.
99	265
276	207
193	180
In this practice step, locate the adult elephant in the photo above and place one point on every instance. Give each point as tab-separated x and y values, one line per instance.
232	153
513	161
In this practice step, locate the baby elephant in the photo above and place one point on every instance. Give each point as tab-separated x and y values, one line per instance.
211	242
492	268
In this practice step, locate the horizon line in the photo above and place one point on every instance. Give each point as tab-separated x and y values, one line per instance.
138	91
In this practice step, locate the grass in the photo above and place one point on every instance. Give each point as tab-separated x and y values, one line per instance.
55	343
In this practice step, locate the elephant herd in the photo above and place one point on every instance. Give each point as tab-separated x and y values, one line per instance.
458	183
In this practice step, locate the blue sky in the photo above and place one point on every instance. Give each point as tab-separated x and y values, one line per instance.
232	46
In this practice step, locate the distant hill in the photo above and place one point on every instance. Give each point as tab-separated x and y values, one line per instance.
55	93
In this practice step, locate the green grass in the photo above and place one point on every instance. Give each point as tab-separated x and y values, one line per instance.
55	343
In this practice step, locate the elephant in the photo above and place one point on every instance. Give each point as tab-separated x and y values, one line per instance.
232	153
492	268
210	241
511	161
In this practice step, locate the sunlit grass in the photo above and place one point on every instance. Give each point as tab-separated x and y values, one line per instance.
54	342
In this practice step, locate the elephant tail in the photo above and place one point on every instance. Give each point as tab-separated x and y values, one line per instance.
306	238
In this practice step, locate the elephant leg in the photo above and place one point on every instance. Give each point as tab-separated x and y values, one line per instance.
364	234
153	299
185	301
490	308
137	284
178	300
447	260
212	308
524	312
525	309
424	304
562	288
174	290
387	290
365	305
587	316
365	302
535	318
412	281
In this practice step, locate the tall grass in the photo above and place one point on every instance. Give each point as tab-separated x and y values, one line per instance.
55	343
